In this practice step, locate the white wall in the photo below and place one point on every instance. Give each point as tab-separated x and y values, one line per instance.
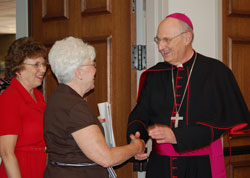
205	17
155	12
21	18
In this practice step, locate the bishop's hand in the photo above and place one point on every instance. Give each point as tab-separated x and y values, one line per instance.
162	134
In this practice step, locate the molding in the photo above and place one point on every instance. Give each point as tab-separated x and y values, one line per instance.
47	13
106	9
233	11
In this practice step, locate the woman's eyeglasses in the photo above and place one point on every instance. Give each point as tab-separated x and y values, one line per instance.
94	65
38	64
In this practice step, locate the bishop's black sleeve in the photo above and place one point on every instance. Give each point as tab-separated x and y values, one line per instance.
225	110
195	137
138	118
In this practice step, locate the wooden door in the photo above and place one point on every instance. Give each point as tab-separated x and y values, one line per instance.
236	47
108	25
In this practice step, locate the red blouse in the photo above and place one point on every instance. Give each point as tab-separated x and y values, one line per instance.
21	115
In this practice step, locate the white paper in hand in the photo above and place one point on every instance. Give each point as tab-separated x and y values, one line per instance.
105	112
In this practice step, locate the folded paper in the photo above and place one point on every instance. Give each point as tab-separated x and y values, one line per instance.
105	112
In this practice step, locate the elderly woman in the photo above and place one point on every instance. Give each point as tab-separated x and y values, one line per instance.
21	111
73	134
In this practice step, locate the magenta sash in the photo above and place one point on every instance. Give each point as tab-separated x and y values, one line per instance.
214	151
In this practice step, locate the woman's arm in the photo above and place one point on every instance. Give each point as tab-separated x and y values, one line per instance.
92	143
7	149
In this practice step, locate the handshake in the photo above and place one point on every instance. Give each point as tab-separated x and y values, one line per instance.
140	144
160	133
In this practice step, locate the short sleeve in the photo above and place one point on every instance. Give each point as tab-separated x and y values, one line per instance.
80	116
10	120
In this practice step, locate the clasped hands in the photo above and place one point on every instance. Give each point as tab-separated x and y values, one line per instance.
161	134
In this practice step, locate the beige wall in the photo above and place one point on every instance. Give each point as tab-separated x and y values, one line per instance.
207	21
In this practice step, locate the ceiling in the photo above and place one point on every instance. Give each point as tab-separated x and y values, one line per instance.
7	16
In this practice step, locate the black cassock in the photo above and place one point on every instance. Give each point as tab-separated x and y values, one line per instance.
213	104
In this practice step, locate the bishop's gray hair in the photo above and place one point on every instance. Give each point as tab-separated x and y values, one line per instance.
186	28
68	54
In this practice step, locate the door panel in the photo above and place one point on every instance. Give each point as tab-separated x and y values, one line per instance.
238	167
102	46
110	27
236	46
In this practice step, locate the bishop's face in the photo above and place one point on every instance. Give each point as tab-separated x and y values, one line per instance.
170	41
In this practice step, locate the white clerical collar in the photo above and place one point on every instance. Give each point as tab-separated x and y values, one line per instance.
179	65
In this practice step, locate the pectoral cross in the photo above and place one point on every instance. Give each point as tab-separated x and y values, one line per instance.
176	119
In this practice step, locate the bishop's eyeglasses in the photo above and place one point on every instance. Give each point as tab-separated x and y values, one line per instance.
166	40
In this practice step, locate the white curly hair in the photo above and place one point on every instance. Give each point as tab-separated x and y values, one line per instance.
68	54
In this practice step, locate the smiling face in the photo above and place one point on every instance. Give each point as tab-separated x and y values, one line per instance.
32	73
173	50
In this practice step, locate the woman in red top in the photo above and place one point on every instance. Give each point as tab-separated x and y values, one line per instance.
21	111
